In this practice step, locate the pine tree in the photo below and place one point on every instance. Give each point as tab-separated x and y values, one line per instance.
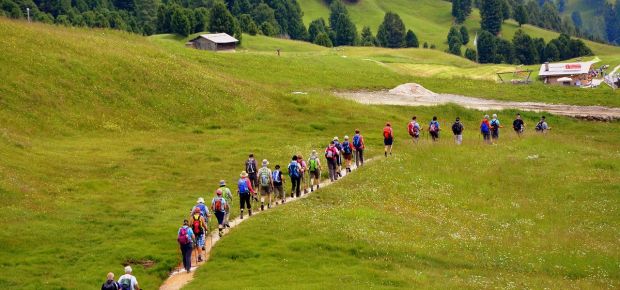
367	38
464	35
520	15
457	12
317	27
411	40
323	40
470	54
491	17
525	51
221	19
391	31
486	47
345	32
551	53
454	33
179	22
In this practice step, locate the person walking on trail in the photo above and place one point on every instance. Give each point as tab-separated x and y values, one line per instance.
433	129
227	194
278	184
485	129
251	168
495	125
457	129
414	129
294	172
199	227
204	210
388	138
266	185
347	153
314	169
128	281
185	238
358	144
219	208
331	154
110	283
304	173
245	189
542	125
338	147
518	125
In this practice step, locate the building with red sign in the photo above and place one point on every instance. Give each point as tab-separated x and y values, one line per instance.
569	74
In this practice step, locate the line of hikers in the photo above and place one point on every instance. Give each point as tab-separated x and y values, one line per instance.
489	129
255	183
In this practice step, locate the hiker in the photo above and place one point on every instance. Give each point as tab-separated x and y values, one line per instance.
495	125
185	238
347	153
388	138
485	129
251	167
245	189
278	184
304	173
266	184
227	194
414	129
457	129
331	153
518	125
294	172
110	283
204	210
358	144
314	168
338	157
219	208
433	129
542	126
199	227
128	281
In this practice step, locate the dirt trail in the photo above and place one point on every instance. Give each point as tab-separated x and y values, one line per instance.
179	277
412	94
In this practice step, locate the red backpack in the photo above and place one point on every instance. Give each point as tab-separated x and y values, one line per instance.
183	238
196	225
387	132
218	204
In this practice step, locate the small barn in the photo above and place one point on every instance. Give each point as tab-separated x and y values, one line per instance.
213	41
569	74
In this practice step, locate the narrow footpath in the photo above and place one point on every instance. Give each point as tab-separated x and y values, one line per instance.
179	277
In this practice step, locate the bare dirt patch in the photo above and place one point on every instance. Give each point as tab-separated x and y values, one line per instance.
412	94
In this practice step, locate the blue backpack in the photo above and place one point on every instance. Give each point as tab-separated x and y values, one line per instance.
346	148
293	170
243	186
484	128
357	141
275	175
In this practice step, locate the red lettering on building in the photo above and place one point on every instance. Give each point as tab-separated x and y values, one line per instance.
572	66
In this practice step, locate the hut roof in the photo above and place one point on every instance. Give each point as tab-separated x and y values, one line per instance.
571	68
218	38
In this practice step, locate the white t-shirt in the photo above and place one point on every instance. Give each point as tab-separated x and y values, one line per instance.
130	277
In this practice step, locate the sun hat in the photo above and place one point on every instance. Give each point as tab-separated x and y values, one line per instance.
494	115
201	200
128	270
265	162
486	116
222	182
336	138
218	192
313	152
346	137
243	174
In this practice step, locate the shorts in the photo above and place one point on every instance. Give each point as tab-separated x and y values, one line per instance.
315	174
347	156
200	240
265	190
388	141
278	190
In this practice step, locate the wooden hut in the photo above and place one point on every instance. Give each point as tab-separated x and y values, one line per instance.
569	74
214	42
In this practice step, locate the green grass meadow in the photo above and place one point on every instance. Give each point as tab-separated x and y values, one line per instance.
107	139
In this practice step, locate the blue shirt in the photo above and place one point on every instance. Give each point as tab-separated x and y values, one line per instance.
190	233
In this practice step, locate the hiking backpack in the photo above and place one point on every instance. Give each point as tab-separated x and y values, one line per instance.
276	176
357	141
484	128
433	127
414	130
293	170
329	153
264	177
243	186
539	126
457	128
218	204
516	124
346	147
183	238
314	164
109	285
125	283
387	132
196	226
494	125
249	166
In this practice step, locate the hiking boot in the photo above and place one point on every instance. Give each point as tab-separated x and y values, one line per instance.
199	258
262	207
250	212
317	186
269	205
203	248
283	201
385	154
241	216
221	233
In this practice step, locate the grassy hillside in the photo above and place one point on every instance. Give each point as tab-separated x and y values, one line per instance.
533	213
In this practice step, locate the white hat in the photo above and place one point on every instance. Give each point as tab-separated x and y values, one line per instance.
346	137
494	115
201	200
128	270
336	138
265	162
